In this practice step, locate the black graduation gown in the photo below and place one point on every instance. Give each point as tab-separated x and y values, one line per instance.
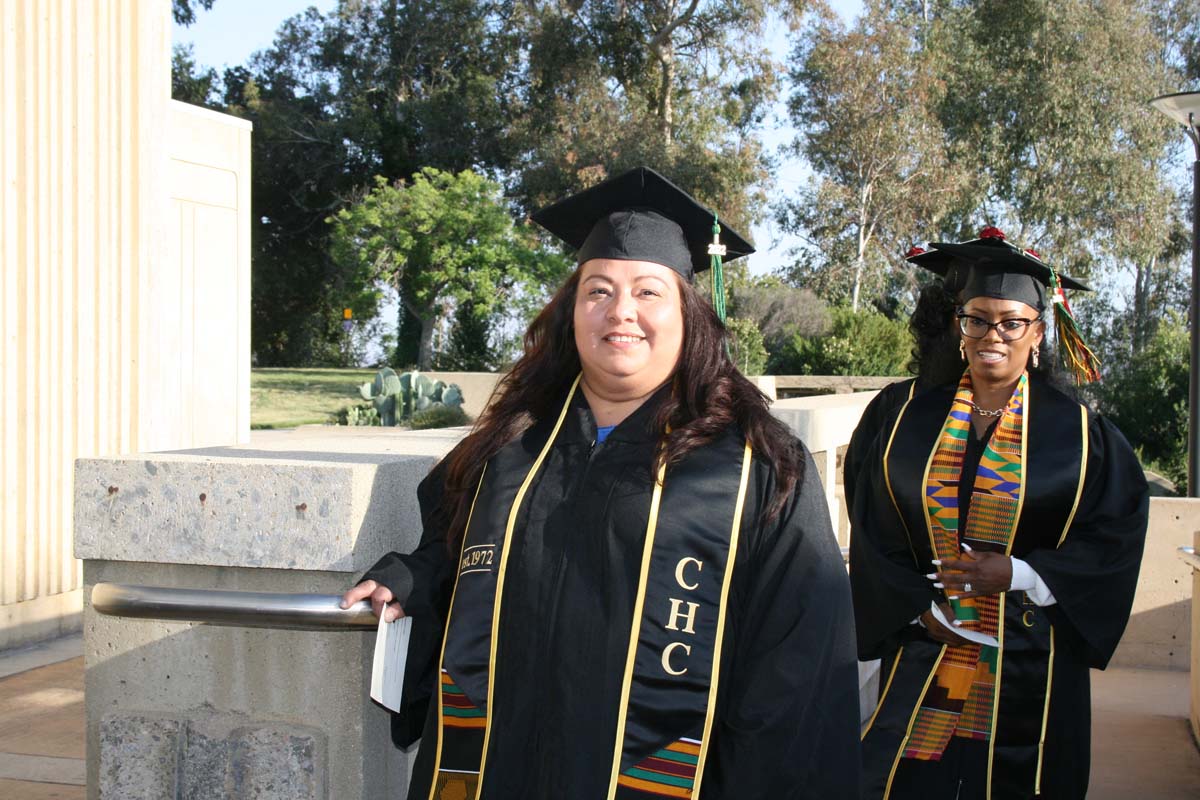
786	722
1091	570
862	441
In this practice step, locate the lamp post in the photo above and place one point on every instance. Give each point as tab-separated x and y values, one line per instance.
1184	108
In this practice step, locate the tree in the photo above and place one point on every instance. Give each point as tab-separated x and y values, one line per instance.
865	101
1046	101
470	347
1147	399
778	310
681	86
441	236
184	11
191	83
378	87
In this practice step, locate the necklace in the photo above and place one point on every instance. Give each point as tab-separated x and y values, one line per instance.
983	412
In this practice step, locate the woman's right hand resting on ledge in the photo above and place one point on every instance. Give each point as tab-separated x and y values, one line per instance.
381	598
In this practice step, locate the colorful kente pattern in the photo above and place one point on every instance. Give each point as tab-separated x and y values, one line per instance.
961	699
670	772
457	710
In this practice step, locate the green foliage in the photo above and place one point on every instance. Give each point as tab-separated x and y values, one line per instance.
681	87
439	416
1146	397
191	83
374	88
184	11
1076	168
863	343
926	121
443	236
779	310
398	398
746	346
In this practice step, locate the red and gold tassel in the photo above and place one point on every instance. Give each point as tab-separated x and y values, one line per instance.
1076	355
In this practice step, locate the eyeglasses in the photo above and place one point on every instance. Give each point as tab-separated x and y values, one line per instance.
1009	329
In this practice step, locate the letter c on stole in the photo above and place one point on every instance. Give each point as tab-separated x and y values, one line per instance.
683	562
666	657
1026	618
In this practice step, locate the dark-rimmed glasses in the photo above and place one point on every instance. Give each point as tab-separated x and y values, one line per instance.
1009	329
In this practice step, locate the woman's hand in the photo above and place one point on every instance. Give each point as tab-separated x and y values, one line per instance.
976	574
939	632
382	600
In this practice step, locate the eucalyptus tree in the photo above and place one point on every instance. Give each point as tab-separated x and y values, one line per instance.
865	101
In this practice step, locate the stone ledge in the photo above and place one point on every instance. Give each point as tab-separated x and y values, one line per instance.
314	515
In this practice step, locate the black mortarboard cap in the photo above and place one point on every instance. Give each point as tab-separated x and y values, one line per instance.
991	267
640	216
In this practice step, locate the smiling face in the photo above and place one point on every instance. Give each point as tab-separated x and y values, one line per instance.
991	358
628	325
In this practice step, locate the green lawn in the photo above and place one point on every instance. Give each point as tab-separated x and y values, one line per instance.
284	398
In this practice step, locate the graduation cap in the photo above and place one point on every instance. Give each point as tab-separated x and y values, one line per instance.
641	216
992	267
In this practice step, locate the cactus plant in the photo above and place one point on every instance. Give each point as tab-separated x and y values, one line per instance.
384	392
397	397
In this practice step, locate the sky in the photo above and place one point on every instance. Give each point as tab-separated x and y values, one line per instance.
234	29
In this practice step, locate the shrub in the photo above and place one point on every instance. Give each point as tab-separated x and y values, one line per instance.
862	343
1146	396
438	416
746	346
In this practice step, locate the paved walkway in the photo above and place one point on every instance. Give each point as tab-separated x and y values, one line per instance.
42	722
1142	746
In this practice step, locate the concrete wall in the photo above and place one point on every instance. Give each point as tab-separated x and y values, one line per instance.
196	369
302	511
825	424
1159	634
94	300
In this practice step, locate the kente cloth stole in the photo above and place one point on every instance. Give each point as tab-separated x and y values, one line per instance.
674	651
960	701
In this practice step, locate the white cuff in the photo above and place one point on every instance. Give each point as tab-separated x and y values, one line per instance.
1026	580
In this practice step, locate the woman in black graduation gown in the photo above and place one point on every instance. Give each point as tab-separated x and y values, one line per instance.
627	585
1006	508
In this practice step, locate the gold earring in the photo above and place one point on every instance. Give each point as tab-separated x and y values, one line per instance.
962	350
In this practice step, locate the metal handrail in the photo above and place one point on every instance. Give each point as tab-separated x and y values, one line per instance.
227	607
1189	555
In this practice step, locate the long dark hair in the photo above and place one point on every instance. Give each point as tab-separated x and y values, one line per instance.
936	360
709	395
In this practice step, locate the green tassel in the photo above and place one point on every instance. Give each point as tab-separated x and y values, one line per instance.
715	251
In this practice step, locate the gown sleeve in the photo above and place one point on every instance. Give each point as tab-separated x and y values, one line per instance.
787	722
863	438
886	578
422	581
1093	574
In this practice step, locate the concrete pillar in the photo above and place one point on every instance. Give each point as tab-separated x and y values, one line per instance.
198	711
1195	715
